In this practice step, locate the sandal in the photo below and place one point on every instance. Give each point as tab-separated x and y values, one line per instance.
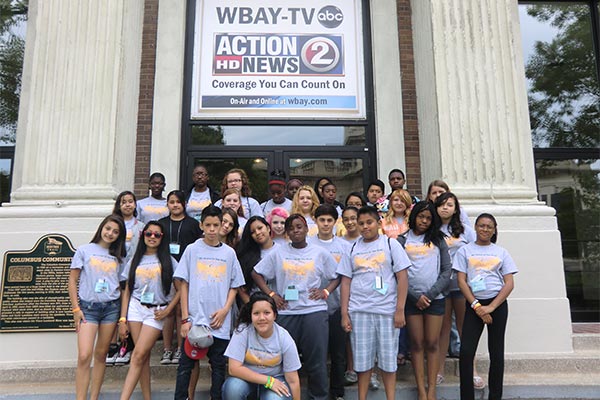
478	382
401	360
440	379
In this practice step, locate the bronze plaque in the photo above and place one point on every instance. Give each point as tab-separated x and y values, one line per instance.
35	294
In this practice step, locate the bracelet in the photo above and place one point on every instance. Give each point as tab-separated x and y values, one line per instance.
270	382
122	319
272	294
186	320
474	303
476	306
76	309
326	293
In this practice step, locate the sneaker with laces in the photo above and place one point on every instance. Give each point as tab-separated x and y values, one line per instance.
113	353
350	377
176	357
123	359
166	357
374	382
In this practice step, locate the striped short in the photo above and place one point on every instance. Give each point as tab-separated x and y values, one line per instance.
374	335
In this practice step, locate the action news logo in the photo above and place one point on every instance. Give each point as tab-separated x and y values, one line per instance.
330	17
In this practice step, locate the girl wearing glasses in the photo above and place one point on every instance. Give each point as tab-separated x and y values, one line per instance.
149	297
180	230
237	179
485	278
96	267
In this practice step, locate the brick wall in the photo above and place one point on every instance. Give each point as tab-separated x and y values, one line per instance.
144	122
409	99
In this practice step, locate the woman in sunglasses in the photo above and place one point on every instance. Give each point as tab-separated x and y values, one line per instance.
180	230
148	298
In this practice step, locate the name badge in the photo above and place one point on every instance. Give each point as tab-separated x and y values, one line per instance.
381	290
147	297
477	284
378	282
291	293
101	286
174	248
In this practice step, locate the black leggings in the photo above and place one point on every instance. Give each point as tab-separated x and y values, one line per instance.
471	332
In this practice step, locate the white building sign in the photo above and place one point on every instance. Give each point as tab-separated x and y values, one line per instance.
278	59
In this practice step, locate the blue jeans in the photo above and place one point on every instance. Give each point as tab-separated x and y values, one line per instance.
101	313
217	361
238	389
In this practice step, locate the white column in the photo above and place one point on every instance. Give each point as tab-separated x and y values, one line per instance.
78	112
75	138
474	134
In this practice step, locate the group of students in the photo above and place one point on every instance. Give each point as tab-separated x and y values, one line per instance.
254	286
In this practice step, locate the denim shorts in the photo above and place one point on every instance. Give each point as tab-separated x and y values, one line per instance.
455	294
437	307
101	313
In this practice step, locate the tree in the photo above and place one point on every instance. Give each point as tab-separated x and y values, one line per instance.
12	50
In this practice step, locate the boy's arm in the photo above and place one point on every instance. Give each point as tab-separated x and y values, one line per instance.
402	286
344	301
185	327
218	317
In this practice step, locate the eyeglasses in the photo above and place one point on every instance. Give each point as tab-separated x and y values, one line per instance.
203	174
149	234
234	180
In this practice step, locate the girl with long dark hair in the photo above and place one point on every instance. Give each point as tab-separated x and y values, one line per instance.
95	269
428	280
149	297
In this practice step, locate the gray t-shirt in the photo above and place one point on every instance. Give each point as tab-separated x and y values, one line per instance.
269	205
210	272
99	279
197	202
151	209
485	267
272	356
249	205
148	281
340	250
454	244
372	261
296	271
426	264
134	229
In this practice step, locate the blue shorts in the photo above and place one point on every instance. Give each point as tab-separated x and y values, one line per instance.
455	294
437	307
101	313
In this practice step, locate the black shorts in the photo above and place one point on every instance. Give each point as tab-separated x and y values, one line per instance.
437	307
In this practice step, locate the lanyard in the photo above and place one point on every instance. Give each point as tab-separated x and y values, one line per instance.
171	230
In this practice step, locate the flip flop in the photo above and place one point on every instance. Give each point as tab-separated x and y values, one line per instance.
478	382
439	379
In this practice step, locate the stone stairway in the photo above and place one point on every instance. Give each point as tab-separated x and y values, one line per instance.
528	376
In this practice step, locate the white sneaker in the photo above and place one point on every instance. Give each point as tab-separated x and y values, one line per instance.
374	382
112	358
166	357
176	357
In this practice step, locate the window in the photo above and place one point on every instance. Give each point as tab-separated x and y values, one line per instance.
560	48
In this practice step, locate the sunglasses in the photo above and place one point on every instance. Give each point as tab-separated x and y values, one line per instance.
149	234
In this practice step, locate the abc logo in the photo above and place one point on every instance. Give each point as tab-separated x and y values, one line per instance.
330	17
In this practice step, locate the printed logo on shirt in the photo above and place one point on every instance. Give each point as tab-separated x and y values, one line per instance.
488	263
294	268
129	235
198	205
147	273
261	358
369	261
211	270
150	209
337	257
105	265
418	250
